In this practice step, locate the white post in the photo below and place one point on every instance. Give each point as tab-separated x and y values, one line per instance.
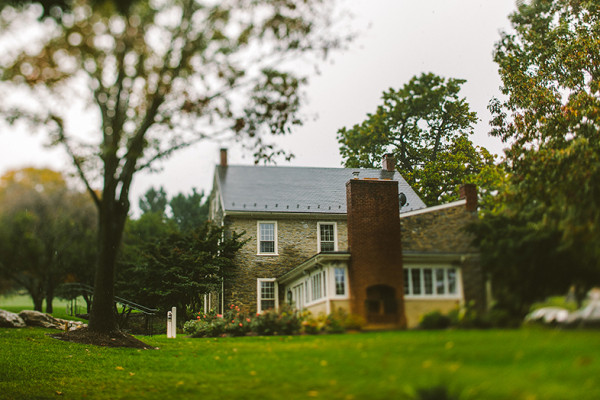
169	323
174	322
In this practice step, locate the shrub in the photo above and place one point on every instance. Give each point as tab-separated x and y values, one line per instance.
435	320
339	321
272	322
285	321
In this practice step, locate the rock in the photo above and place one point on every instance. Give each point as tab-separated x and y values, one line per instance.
36	318
73	325
10	320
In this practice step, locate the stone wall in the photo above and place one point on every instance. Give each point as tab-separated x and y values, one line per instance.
439	231
443	231
297	242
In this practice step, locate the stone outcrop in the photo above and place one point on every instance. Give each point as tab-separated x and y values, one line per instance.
10	320
36	318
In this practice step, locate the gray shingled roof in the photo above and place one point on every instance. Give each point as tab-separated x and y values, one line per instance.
297	189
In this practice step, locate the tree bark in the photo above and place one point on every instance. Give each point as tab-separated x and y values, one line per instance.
49	298
37	295
111	222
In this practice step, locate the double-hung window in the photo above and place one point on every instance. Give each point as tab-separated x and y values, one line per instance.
267	238
327	232
267	294
431	282
340	281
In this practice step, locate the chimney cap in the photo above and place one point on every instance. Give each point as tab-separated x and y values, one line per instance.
389	162
223	153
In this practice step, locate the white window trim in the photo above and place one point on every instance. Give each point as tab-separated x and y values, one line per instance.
258	293
276	253
454	296
335	235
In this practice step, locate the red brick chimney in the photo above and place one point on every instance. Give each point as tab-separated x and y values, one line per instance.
223	157
374	241
468	192
389	162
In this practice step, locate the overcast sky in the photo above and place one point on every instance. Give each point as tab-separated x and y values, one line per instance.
400	39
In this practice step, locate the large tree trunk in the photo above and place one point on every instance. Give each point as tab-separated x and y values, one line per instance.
49	298
112	218
37	295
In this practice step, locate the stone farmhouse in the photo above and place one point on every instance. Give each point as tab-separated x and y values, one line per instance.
359	239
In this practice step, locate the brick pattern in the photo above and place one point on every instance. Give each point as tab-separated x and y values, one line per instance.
375	244
297	242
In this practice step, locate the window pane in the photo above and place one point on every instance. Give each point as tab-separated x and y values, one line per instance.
327	246
316	287
327	235
267	304
451	281
327	232
267	237
267	295
267	247
267	290
267	232
439	281
340	281
406	282
415	275
428	280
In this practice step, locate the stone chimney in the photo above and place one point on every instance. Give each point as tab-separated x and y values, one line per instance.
468	192
389	162
223	157
374	241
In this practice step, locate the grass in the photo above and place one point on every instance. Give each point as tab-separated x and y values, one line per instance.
513	364
18	302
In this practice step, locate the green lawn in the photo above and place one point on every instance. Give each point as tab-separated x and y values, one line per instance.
519	364
18	302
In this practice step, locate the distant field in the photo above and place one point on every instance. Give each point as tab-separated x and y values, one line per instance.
523	364
18	302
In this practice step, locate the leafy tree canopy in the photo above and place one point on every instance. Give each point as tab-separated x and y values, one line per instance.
426	125
174	258
154	201
550	118
154	77
47	232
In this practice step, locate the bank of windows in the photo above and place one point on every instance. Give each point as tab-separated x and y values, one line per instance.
327	232
431	282
267	294
267	238
315	287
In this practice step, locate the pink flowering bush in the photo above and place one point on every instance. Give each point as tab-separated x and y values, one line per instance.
285	321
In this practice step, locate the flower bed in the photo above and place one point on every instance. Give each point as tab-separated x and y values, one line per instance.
272	322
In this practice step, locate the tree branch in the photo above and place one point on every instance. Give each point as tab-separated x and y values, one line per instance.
76	160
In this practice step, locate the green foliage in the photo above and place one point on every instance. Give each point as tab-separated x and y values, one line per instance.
435	320
426	126
285	321
47	232
541	236
176	269
189	211
154	201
